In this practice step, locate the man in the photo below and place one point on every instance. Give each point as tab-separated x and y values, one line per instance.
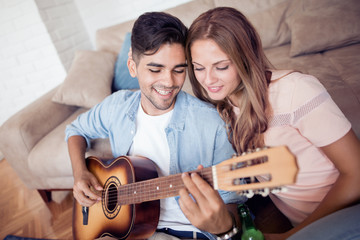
175	130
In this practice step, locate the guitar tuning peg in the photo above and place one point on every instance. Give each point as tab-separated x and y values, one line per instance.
279	190
265	192
250	194
247	193
241	193
250	150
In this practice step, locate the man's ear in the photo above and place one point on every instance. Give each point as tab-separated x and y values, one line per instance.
132	67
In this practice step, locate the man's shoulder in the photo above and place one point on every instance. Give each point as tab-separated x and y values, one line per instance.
206	112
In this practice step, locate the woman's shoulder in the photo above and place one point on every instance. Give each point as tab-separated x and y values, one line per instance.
292	89
303	84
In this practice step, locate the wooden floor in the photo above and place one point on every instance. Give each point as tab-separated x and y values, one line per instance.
24	213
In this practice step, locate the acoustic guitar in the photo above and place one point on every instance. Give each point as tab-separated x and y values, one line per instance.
130	204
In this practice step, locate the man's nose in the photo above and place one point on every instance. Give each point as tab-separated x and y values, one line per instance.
168	79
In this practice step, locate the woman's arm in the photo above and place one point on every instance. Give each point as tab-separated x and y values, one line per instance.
345	155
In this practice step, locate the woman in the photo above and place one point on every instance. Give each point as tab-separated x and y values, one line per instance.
266	107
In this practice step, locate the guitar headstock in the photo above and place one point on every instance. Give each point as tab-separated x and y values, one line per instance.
263	170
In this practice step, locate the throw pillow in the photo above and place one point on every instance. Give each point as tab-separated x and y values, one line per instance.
332	26
89	79
122	77
271	26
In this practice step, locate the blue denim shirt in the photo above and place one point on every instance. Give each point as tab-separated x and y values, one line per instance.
196	134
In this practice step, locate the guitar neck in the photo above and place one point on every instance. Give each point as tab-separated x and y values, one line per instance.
157	188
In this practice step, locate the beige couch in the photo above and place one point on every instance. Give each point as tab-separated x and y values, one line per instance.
320	37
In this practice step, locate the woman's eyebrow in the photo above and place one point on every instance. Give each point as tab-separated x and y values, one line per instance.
221	61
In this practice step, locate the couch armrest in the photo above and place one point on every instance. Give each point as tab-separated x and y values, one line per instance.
25	128
22	131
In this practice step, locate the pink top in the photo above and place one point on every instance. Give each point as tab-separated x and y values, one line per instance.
304	118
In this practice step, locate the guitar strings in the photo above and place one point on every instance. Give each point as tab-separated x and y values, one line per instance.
148	192
151	189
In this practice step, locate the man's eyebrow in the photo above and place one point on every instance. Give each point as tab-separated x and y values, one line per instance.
181	65
154	65
161	65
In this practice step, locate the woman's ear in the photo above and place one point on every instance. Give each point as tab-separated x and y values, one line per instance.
132	67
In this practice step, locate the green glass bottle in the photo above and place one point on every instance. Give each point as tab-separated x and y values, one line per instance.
248	227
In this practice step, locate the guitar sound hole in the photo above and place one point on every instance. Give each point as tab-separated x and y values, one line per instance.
109	202
112	197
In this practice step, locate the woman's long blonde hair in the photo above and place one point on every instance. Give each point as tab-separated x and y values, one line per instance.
239	40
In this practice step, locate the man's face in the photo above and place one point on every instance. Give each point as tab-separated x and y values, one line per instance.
161	77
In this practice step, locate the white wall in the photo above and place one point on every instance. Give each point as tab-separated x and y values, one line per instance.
103	13
38	39
65	27
29	63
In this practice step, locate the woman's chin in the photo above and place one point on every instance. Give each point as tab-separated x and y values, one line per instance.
216	96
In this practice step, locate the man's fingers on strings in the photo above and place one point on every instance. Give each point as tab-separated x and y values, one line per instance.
187	204
190	185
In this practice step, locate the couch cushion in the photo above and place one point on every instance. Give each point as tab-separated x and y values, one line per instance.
50	158
248	7
271	26
189	11
89	79
322	25
110	39
268	18
346	61
122	77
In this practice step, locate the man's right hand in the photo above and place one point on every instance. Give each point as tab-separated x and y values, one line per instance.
87	190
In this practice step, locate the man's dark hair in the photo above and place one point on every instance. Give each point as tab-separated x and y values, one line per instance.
153	29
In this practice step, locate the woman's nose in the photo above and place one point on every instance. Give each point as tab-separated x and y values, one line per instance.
210	78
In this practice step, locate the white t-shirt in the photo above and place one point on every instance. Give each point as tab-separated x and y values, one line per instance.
150	141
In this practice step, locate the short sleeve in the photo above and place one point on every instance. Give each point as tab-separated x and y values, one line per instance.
315	114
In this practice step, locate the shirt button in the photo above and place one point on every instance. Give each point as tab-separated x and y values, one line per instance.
132	132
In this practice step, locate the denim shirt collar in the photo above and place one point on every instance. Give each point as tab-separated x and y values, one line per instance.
178	118
134	106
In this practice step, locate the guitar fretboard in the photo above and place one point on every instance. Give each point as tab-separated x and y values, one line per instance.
157	188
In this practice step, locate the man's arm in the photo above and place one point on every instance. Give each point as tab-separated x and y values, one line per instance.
86	187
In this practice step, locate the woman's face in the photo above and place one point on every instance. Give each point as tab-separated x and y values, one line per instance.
213	69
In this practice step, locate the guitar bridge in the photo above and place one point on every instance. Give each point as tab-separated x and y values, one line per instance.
85	213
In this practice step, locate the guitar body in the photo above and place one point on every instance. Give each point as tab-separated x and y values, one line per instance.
130	205
108	217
